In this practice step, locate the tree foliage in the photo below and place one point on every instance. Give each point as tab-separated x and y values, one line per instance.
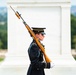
73	31
3	36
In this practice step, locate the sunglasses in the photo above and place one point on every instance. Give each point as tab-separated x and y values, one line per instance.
42	34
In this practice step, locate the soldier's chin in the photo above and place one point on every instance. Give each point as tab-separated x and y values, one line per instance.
41	39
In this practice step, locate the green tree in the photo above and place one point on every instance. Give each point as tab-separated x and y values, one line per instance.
73	31
3	35
3	39
1	44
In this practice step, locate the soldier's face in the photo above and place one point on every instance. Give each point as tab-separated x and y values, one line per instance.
40	36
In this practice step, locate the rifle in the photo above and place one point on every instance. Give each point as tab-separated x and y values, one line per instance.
33	35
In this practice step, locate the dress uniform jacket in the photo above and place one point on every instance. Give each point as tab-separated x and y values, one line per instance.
36	60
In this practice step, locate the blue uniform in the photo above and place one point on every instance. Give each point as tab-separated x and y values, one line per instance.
36	60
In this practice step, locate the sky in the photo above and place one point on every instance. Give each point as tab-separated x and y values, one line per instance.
73	2
3	2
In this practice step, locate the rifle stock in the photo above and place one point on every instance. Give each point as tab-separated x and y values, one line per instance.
33	35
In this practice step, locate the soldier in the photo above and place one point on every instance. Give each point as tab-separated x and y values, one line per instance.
37	65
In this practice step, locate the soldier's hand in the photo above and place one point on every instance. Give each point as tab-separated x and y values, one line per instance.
52	64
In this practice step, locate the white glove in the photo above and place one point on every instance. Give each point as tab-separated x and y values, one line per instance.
52	64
